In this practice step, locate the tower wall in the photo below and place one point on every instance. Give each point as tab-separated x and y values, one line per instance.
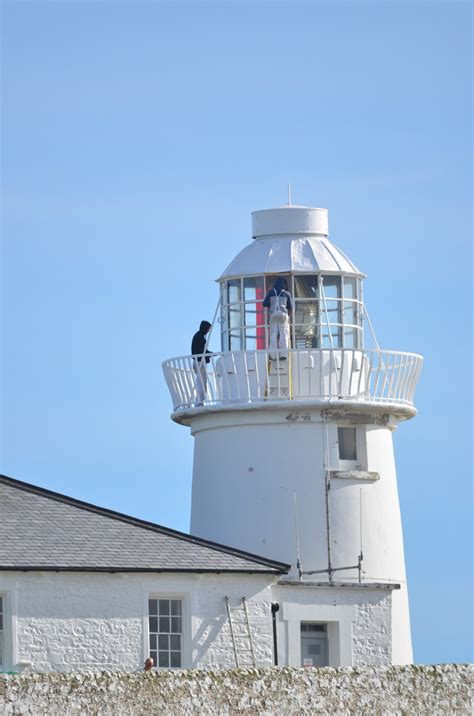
248	464
312	428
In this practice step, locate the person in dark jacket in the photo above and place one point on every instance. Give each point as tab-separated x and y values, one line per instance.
198	345
198	350
279	303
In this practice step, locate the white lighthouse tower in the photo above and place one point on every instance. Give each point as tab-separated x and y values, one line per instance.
293	457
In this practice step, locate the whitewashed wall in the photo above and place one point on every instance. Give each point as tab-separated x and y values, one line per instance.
76	621
359	623
248	466
72	621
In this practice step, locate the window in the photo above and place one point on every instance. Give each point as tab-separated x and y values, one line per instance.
305	317
165	619
347	439
314	644
327	311
309	626
242	314
350	448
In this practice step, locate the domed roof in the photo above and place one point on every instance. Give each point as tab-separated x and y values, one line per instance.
290	239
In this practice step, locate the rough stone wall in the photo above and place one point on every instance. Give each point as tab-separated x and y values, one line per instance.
417	690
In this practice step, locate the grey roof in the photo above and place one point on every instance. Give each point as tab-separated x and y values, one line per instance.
44	530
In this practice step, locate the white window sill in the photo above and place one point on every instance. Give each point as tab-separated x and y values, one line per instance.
354	475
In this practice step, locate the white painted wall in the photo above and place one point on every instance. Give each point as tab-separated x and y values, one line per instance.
75	621
359	623
90	621
247	464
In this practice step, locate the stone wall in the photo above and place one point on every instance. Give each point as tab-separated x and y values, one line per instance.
420	690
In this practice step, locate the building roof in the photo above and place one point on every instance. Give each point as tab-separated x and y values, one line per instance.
44	530
290	254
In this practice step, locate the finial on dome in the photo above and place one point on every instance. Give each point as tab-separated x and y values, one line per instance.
289	194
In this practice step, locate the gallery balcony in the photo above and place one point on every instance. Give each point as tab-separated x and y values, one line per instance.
242	379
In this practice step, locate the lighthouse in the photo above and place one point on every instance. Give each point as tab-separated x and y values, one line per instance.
293	443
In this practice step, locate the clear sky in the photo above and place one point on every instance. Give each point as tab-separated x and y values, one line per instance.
137	139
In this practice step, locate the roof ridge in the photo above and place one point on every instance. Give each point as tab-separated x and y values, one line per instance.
143	524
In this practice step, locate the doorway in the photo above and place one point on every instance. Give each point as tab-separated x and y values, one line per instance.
314	644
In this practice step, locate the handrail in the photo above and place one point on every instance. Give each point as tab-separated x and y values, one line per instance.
320	374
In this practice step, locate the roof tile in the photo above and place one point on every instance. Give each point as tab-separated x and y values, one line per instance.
40	529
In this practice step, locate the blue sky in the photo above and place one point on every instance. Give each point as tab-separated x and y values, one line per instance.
137	138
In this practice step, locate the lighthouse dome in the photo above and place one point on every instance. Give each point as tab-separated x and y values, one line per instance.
290	239
291	243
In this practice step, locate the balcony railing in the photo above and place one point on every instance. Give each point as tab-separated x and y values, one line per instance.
305	375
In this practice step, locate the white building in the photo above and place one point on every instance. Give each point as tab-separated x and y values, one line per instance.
293	461
82	587
293	458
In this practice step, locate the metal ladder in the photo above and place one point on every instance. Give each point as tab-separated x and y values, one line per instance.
279	378
238	637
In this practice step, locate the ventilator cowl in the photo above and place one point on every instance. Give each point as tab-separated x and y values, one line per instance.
290	221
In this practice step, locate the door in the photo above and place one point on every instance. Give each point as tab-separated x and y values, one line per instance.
314	644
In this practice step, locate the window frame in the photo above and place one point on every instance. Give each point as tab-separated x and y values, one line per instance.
9	656
186	636
322	634
235	337
360	463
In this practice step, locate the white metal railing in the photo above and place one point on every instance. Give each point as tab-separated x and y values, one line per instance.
356	375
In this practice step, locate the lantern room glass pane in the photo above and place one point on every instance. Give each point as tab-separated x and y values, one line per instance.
332	340
306	324
235	315
350	287
304	339
235	341
332	286
350	338
350	313
234	290
252	287
250	342
306	286
331	312
250	316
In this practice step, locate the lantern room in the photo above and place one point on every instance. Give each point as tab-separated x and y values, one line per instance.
326	288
